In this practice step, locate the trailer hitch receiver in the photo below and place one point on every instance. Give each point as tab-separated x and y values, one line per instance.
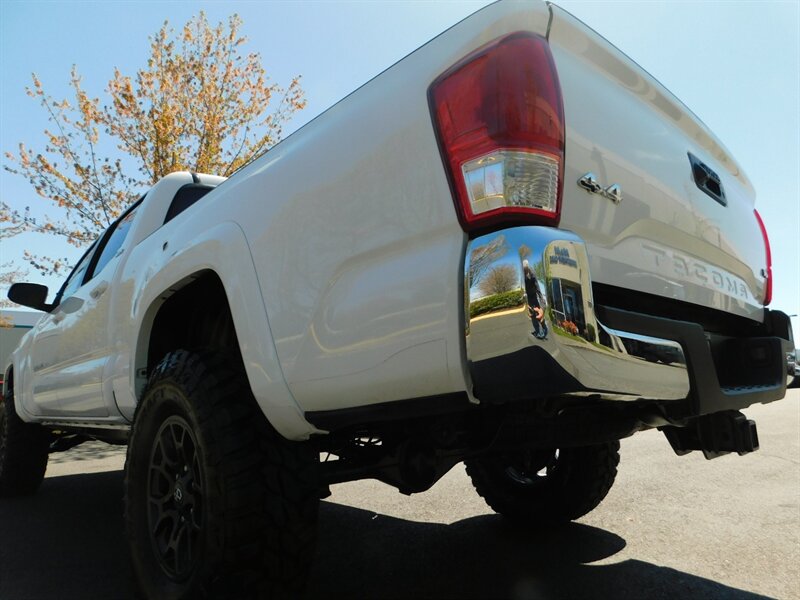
715	435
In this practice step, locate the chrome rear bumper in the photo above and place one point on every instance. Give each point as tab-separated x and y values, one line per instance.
534	331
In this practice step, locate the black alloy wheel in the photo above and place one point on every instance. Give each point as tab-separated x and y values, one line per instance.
175	495
532	466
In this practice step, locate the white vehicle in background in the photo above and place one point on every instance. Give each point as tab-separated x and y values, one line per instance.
14	324
512	248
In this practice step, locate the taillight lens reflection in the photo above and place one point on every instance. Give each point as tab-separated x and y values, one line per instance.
508	178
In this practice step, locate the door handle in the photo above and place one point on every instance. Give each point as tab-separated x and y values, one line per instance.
58	317
99	290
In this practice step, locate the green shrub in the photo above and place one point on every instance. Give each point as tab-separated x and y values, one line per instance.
496	302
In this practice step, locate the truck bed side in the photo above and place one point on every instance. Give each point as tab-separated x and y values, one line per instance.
355	237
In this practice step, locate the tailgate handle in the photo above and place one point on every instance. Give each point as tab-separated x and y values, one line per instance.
707	180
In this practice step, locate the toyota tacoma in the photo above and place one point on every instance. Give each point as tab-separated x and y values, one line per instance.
511	249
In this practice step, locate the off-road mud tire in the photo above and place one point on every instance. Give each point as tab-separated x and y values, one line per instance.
259	499
580	478
24	448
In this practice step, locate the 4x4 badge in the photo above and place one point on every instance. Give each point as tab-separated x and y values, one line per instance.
590	184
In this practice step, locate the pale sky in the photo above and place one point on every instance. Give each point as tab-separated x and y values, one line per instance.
735	64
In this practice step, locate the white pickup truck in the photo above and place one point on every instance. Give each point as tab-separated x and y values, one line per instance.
512	248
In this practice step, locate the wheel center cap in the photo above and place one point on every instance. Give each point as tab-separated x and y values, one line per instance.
178	493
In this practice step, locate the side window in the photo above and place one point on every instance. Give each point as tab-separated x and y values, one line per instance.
185	197
114	241
75	279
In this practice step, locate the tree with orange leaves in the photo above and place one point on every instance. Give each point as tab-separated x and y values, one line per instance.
200	104
8	274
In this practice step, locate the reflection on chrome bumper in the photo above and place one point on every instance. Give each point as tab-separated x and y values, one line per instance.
532	329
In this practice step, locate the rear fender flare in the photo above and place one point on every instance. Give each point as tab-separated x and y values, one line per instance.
224	250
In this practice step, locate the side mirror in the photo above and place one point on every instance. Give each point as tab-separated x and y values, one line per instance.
32	295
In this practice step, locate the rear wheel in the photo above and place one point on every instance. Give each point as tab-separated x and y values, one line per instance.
24	449
217	504
546	486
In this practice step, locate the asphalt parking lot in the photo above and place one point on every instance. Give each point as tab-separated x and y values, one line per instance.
672	527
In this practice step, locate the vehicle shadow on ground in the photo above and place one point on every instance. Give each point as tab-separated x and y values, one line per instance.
366	555
67	542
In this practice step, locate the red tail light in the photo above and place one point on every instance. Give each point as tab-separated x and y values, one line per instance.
768	291
500	121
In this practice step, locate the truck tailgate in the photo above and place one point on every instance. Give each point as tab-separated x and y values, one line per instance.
664	235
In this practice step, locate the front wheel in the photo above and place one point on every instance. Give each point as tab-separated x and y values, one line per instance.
24	448
548	486
217	504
